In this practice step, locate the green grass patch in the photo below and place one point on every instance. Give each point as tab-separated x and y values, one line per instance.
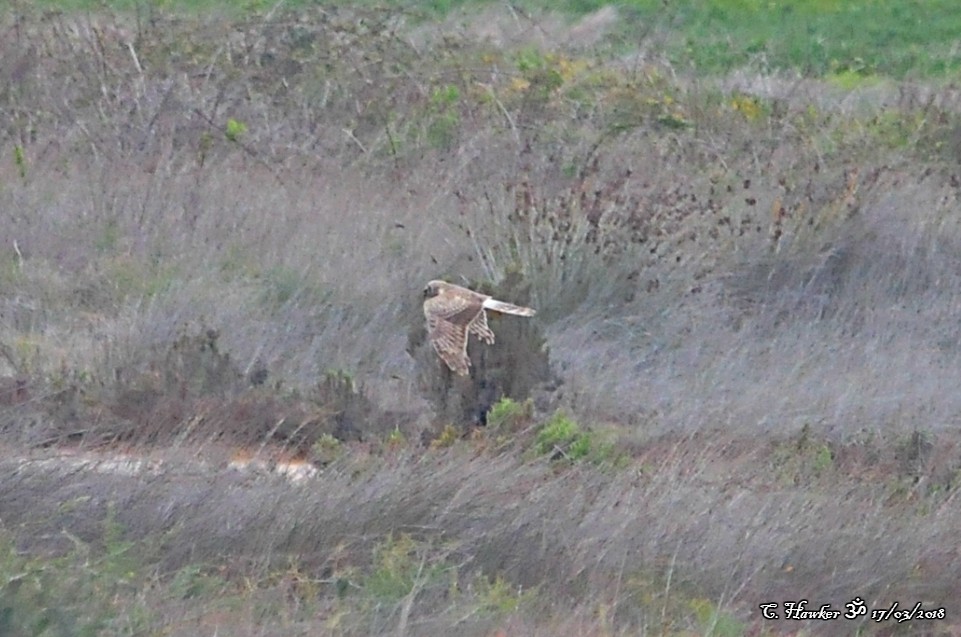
83	592
114	587
563	438
817	37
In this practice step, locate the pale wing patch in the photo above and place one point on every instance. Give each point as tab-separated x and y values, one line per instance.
508	308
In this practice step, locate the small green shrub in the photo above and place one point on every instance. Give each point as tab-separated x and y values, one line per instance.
447	437
508	414
327	448
394	570
562	436
235	129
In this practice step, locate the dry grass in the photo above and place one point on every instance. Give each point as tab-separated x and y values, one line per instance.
215	233
640	546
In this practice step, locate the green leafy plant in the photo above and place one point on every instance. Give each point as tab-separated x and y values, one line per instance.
235	129
561	436
509	415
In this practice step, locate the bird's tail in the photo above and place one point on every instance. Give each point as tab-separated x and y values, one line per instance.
508	308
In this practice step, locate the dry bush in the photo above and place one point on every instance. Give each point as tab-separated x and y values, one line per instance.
188	394
516	366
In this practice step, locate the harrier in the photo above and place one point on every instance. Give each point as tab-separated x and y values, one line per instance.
452	312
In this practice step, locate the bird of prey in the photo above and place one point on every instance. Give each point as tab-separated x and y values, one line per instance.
452	312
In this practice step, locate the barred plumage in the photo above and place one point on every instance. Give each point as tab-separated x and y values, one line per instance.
453	312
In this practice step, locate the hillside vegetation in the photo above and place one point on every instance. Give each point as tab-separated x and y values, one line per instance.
739	225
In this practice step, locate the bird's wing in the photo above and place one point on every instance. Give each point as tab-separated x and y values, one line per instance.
478	327
448	318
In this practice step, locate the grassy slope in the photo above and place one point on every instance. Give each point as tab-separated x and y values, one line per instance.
817	37
762	317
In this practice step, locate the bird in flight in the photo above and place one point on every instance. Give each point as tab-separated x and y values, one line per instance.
452	312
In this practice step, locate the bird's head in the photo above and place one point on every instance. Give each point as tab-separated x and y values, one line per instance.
433	289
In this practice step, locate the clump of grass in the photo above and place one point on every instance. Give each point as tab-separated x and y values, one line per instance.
676	609
448	436
802	459
234	130
444	116
396	439
407	573
400	565
562	437
510	415
327	448
499	597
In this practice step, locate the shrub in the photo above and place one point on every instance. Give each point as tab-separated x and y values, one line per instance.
327	448
562	437
447	437
235	129
510	415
